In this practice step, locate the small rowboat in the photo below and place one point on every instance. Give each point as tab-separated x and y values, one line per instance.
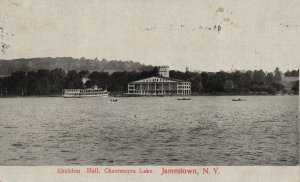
184	99
239	99
113	101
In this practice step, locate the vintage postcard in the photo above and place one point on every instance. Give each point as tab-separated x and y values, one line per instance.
160	90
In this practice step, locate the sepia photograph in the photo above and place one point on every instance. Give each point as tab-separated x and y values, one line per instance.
149	83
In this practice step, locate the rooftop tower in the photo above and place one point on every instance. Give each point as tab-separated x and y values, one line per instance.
164	71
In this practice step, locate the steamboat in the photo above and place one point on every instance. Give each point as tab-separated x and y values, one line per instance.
90	92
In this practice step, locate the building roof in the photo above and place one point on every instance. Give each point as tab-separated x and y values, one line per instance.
149	80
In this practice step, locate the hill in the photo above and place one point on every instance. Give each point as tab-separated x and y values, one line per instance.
67	63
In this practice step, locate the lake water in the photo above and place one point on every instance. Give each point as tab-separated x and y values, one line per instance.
150	131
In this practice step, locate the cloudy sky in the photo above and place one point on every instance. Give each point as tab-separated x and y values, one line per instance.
202	35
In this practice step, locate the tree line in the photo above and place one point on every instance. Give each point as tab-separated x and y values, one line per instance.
248	82
52	82
46	82
293	73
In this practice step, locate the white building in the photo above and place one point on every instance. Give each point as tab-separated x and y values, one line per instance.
159	85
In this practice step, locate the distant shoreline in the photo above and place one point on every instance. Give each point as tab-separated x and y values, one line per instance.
31	96
194	95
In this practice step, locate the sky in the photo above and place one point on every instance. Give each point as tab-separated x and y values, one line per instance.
208	35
